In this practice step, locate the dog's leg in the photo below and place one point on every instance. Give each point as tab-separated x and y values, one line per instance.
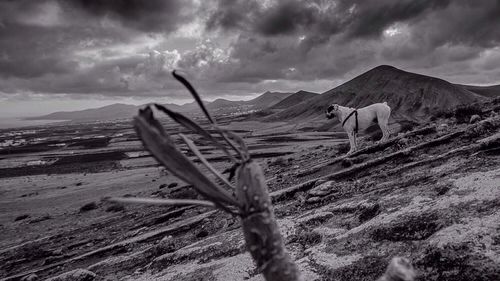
385	132
352	142
384	125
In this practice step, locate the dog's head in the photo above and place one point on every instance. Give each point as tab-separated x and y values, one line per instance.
331	110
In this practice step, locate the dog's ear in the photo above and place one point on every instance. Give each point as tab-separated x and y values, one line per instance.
330	108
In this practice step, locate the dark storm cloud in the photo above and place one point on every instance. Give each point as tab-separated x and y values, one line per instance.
371	18
32	45
96	46
435	22
355	18
149	15
473	23
284	18
341	36
29	58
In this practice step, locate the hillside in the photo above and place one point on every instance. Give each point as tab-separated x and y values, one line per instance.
429	194
410	95
294	99
486	91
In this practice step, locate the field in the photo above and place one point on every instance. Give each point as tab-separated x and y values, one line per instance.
431	194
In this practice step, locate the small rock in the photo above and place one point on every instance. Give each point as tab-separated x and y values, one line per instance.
323	189
442	189
166	239
75	275
314	199
163	185
202	233
368	212
399	269
474	118
172	185
442	127
346	163
57	252
78	183
166	245
404	141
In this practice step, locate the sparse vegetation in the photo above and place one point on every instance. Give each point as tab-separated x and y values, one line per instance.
407	126
461	113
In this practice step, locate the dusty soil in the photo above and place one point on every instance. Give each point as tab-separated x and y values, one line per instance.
431	194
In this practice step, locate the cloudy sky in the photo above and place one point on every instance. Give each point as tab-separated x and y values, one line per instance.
73	54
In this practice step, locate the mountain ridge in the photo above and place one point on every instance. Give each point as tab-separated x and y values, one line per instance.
410	95
121	110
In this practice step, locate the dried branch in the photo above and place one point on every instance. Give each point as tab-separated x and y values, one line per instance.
198	99
194	94
193	126
204	161
164	150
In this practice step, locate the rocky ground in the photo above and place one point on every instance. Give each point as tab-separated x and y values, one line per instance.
431	194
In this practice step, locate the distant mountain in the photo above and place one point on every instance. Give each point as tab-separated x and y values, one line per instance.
410	95
294	99
114	111
267	99
486	91
120	111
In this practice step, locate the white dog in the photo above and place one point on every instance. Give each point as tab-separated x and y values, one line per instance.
354	120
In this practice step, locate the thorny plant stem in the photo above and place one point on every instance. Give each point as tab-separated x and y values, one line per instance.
262	236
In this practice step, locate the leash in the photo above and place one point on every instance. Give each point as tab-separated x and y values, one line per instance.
355	112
